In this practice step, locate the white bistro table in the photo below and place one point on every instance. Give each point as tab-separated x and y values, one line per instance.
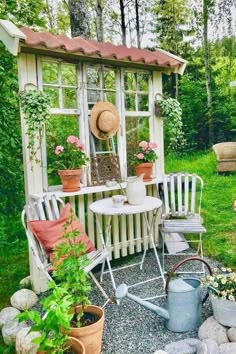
105	207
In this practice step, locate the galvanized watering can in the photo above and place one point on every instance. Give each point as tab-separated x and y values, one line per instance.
184	300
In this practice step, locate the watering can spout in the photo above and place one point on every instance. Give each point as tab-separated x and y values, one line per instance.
122	291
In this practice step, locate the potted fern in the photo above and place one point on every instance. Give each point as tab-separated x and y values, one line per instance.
69	261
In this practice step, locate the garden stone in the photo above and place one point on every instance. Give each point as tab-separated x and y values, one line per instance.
24	343
212	329
24	299
232	334
202	348
7	314
10	329
25	282
185	346
228	348
212	346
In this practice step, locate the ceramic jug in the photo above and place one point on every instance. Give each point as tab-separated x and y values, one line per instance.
135	190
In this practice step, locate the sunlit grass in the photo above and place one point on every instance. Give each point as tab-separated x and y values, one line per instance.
218	197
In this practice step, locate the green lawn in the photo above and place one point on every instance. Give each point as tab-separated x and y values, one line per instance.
218	195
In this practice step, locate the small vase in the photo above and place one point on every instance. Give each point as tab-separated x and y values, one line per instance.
146	169
70	179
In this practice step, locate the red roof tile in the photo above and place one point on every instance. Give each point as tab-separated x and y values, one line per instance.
104	50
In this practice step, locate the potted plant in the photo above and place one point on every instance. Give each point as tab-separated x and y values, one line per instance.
54	325
144	158
71	159
222	289
69	261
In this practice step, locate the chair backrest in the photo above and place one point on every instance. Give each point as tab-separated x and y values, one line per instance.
46	208
180	194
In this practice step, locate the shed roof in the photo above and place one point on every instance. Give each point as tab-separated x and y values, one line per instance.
94	49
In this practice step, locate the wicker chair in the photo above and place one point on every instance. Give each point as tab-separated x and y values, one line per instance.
226	156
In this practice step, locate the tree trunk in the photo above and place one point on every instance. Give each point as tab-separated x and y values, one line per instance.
137	23
208	77
79	21
123	26
99	21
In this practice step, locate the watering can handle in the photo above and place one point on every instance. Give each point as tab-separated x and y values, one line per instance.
182	262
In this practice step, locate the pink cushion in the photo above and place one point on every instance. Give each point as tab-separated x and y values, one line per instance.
49	232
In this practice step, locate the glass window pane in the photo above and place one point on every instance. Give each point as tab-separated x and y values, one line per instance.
130	81
93	96
142	82
137	129
110	97
143	103
130	102
109	80
93	78
68	74
54	96
57	131
69	98
50	72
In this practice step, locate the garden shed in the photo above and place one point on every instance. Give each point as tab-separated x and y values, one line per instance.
76	73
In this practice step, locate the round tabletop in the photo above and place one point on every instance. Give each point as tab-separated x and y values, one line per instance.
106	207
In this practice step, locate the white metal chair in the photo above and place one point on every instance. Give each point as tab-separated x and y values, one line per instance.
182	197
48	208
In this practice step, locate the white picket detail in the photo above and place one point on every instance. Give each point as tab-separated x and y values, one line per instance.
127	232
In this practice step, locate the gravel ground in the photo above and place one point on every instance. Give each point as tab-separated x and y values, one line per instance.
130	328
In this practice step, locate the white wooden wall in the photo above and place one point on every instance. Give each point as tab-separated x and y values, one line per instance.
124	229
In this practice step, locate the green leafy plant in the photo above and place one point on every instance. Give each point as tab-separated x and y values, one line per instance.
69	262
223	284
55	323
72	155
172	113
36	107
145	153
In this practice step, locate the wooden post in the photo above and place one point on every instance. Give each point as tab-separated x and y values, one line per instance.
158	125
33	172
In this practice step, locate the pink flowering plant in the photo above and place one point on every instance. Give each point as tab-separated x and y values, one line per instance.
71	155
145	153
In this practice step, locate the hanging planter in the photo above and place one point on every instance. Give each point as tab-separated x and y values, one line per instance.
36	107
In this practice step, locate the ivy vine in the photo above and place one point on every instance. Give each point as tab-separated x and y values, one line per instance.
36	107
172	113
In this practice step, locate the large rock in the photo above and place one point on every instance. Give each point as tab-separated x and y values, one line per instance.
24	299
10	330
202	348
212	329
228	348
25	282
212	346
24	343
185	346
7	314
232	334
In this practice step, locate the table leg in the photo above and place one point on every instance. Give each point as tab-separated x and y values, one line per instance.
105	244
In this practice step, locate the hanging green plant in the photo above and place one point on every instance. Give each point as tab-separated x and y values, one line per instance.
36	107
172	113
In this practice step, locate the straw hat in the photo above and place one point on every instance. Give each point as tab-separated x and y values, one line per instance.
104	120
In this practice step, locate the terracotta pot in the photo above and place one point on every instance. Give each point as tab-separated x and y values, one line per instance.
70	179
146	169
91	335
76	346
